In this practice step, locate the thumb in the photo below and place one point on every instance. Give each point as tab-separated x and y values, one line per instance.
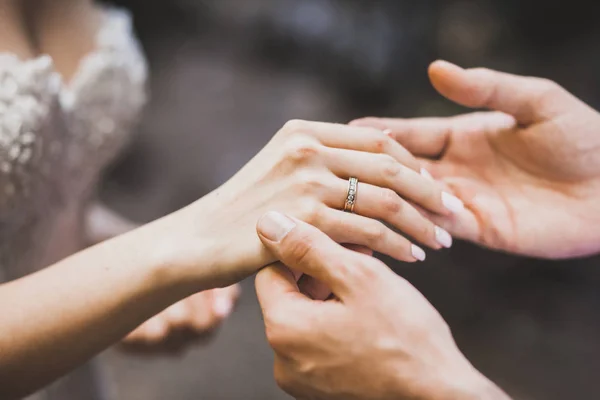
306	249
527	99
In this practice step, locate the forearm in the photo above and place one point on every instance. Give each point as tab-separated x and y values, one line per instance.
102	223
56	319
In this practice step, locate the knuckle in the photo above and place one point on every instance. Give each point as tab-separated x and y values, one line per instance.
311	211
338	269
547	86
480	70
300	249
548	91
302	150
375	234
367	270
310	182
390	168
391	203
381	142
295	126
426	231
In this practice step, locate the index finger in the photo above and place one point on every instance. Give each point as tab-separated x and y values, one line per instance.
430	137
359	138
306	249
275	284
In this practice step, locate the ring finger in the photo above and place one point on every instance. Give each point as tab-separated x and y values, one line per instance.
384	204
386	172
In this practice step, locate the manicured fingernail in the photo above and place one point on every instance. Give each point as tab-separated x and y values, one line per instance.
452	203
417	252
426	174
443	237
275	226
222	306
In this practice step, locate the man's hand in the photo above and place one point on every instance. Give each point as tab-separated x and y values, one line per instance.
184	323
379	338
529	173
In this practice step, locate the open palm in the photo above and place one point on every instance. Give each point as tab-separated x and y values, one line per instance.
529	173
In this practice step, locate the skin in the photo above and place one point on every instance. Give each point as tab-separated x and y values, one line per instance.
303	171
378	339
13	32
181	325
94	298
66	30
535	158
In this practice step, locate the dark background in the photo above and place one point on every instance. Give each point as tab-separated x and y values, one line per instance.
226	74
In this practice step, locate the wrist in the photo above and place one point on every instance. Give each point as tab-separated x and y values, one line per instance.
470	385
146	255
196	248
484	389
454	380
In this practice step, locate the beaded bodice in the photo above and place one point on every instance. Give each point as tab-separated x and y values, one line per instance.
57	137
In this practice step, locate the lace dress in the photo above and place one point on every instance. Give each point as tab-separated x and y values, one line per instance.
55	140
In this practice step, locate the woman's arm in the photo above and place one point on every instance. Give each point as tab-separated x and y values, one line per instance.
102	223
82	305
53	320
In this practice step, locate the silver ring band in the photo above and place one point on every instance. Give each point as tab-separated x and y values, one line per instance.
352	194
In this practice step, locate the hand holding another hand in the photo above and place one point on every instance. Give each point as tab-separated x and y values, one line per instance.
304	171
380	339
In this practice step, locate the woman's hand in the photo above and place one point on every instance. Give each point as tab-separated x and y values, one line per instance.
184	323
304	172
529	174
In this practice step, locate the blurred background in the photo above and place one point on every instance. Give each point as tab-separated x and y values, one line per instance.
226	74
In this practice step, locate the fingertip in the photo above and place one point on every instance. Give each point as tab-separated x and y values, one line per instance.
178	313
222	305
439	65
155	329
369	122
134	335
418	253
445	76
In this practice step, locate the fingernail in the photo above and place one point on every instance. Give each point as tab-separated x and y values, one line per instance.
452	203
387	132
443	237
417	252
222	306
275	226
426	174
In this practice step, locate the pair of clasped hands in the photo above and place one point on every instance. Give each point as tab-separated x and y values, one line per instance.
523	178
